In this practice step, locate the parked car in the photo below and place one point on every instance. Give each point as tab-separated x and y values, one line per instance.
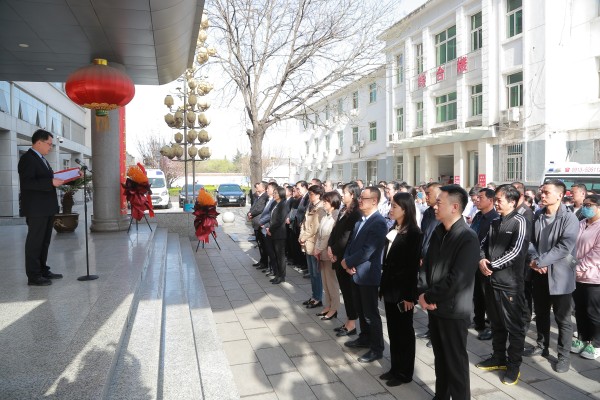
191	193
229	194
158	185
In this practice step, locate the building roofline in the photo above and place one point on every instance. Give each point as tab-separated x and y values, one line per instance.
385	35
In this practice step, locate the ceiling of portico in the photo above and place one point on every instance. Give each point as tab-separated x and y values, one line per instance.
46	40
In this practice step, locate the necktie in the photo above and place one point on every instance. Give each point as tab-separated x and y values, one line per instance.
47	163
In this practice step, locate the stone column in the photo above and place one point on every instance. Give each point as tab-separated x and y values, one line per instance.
106	181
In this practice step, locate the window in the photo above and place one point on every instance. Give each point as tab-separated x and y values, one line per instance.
355	100
372	93
445	46
445	107
340	139
399	69
399	119
340	106
514	17
399	170
4	97
355	135
340	172
307	143
476	32
476	100
372	131
354	171
372	172
327	112
316	145
419	58
419	115
327	143
514	162
514	86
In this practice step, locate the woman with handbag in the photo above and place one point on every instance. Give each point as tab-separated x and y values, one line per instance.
398	288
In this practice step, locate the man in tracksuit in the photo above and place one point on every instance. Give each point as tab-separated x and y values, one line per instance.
450	265
503	253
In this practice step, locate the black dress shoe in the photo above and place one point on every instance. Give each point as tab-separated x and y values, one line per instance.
320	314
50	275
346	332
386	376
41	281
341	328
256	264
307	302
536	351
277	281
315	304
370	356
357	344
424	335
397	381
326	318
486	334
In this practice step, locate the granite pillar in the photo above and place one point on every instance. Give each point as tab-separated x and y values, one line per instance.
106	160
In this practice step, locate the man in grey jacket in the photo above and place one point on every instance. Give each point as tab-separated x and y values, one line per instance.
551	257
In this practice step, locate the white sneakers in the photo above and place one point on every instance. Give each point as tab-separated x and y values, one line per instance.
585	350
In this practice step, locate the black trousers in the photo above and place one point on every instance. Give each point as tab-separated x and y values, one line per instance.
587	312
271	259
296	252
449	342
402	340
479	304
562	307
346	283
262	247
37	243
528	307
505	311
279	257
366	303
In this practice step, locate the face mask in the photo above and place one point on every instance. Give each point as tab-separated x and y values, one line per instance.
421	195
588	212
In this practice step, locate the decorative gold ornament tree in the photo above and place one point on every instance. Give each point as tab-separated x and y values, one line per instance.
191	116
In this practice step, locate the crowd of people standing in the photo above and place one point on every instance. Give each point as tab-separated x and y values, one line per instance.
486	259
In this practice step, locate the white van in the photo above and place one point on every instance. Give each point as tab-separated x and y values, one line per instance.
158	184
571	173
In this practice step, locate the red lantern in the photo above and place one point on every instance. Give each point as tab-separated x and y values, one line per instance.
100	87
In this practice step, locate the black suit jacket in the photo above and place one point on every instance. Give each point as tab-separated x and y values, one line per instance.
278	216
38	195
257	209
338	239
401	267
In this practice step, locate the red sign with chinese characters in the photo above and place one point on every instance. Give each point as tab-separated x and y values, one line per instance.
482	180
439	74
421	80
461	65
457	179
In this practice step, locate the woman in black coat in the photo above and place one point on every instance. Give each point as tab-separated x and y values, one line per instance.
348	217
399	287
277	232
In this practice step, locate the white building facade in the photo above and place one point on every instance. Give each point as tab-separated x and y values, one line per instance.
480	91
26	107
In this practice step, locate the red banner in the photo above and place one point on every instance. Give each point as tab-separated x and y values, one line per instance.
482	180
457	179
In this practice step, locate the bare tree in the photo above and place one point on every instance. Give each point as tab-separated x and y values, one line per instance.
283	54
149	149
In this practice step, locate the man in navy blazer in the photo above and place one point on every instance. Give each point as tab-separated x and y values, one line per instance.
39	204
362	260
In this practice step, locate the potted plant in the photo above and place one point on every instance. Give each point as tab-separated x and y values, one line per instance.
67	220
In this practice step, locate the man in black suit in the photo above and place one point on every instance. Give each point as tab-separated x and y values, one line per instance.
39	204
254	216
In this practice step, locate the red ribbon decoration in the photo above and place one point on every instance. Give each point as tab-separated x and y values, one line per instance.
139	196
205	222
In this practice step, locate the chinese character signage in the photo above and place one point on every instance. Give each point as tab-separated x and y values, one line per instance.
457	179
439	74
461	65
482	180
422	80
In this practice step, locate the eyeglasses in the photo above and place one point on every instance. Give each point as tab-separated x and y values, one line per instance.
361	198
589	205
48	143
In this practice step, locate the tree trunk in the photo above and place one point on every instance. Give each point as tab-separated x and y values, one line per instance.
256	140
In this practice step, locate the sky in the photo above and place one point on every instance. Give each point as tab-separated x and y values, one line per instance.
145	115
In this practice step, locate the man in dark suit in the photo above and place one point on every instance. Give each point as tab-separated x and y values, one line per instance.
362	260
39	204
254	217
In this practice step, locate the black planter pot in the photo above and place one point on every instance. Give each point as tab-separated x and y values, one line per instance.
66	222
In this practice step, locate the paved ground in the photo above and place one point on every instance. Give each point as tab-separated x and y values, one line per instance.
278	349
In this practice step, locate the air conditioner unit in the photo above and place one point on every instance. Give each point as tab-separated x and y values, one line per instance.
391	137
354	148
329	165
513	114
361	143
338	152
354	112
